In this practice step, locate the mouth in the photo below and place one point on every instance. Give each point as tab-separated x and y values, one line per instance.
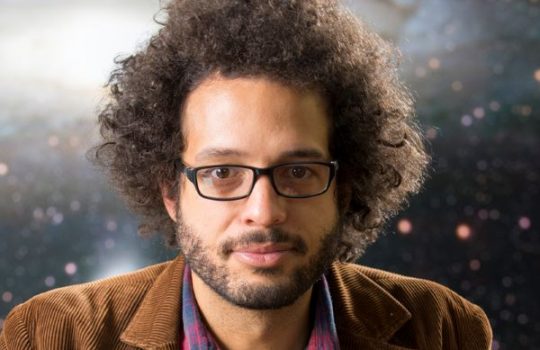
263	255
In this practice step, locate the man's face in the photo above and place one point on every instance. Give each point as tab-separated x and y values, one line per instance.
263	251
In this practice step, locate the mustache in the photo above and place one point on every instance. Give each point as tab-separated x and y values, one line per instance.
260	237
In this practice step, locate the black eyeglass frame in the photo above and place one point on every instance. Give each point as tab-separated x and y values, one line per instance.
191	174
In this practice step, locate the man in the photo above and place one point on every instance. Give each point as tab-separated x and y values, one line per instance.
270	140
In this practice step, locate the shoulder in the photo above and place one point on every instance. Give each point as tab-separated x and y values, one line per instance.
115	294
101	306
420	294
435	313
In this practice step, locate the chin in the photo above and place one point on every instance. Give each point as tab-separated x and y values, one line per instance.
264	295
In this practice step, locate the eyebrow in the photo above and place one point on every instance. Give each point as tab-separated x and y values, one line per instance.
303	153
209	153
218	153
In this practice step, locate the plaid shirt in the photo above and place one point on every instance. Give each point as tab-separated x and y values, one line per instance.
194	335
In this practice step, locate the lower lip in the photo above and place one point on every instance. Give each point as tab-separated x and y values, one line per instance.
270	259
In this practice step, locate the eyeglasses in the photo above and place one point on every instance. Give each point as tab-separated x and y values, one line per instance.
228	182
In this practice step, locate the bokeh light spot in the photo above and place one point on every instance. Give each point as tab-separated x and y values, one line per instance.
481	165
111	225
494	106
434	63
75	205
53	141
537	75
4	169
74	141
524	223
522	319
483	214
479	113
38	214
457	86
463	231
51	211
7	297
404	226
57	218
475	265
507	281
431	133
526	110
70	268
466	120
50	281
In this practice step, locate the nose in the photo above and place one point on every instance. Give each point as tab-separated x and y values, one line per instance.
264	207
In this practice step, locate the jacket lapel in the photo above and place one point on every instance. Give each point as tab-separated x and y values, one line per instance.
367	316
157	321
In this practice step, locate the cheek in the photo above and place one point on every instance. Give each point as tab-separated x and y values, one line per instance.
316	218
208	219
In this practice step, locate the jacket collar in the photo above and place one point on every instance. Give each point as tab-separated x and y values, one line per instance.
365	313
157	320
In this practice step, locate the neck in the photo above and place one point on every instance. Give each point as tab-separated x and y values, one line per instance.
235	327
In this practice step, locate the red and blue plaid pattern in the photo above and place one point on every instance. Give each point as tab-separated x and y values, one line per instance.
194	335
324	333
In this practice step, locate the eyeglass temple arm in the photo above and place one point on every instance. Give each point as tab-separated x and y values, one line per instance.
179	166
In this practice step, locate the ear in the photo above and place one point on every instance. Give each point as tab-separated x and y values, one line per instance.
169	200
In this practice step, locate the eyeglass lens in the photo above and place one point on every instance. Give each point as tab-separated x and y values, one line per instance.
293	180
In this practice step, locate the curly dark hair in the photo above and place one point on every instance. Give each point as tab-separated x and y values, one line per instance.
300	43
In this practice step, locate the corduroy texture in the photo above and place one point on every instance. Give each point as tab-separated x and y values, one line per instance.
373	309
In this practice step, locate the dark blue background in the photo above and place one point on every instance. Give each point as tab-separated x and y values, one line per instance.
475	70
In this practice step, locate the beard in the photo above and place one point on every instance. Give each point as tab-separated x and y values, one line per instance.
284	291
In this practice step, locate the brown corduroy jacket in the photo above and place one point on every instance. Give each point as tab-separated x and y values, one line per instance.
374	310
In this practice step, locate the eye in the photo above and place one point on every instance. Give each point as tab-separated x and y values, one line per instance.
221	173
298	172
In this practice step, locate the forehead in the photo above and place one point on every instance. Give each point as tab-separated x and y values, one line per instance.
253	119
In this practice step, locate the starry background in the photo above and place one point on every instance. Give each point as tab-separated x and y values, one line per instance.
474	67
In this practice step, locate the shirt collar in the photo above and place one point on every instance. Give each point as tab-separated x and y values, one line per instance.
194	334
324	333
